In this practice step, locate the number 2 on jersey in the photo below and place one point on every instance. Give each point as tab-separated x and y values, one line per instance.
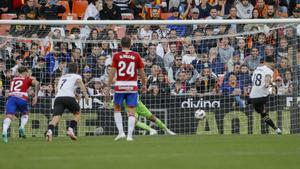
63	82
257	79
130	69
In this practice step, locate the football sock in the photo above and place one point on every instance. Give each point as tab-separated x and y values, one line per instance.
6	123
131	124
269	121
51	127
119	122
73	124
143	126
160	124
24	120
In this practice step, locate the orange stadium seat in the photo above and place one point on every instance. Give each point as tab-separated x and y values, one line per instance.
165	16
66	5
8	16
79	7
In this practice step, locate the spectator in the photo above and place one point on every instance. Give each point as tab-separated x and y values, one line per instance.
18	63
123	5
104	77
145	31
204	9
236	71
112	40
244	9
283	66
245	79
242	50
271	13
215	61
199	62
96	89
193	91
152	78
153	56
162	81
92	58
261	44
49	90
225	50
236	28
177	89
282	49
232	87
61	69
190	56
180	29
262	8
87	75
93	9
99	69
77	58
19	30
6	6
92	40
32	55
30	10
51	10
206	81
288	78
39	71
110	11
232	61
253	60
154	89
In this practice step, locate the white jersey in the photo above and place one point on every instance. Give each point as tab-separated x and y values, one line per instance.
67	85
258	82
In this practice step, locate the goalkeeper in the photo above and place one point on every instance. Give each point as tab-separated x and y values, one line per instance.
142	110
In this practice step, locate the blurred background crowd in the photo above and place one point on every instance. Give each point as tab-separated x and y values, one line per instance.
179	59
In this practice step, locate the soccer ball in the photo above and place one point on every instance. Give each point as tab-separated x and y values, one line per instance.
200	114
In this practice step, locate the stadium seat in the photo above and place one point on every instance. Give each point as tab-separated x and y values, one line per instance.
165	16
66	5
8	16
74	16
79	7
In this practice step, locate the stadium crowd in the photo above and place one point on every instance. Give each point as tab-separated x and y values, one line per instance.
179	60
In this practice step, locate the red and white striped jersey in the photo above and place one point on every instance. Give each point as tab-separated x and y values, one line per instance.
127	63
19	87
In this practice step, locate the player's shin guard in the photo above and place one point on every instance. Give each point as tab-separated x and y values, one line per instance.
269	121
6	124
131	124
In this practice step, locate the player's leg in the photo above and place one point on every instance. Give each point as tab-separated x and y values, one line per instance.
74	107
131	102
118	101
23	107
11	109
259	106
144	111
57	112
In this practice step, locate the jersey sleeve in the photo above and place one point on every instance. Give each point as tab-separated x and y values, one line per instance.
114	62
140	63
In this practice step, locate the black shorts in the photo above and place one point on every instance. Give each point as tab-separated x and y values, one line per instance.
62	103
259	104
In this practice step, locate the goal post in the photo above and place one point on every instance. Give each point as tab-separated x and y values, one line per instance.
190	65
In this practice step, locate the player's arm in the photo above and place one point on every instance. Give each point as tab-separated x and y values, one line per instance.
36	85
111	75
143	80
83	89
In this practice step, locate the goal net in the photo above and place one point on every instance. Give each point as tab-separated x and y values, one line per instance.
190	66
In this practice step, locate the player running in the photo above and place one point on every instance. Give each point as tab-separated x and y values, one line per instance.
142	110
65	99
18	100
125	65
261	84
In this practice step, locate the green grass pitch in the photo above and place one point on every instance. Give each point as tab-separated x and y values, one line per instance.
156	152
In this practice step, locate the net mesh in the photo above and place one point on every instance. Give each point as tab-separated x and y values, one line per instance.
189	67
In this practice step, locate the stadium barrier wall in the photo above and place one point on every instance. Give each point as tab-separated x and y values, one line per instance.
176	111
